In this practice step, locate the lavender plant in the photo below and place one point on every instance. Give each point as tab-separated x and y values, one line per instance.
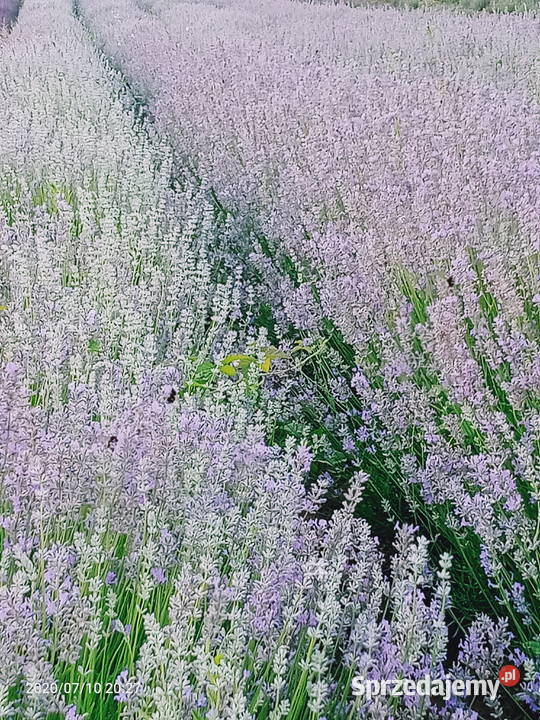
387	162
170	267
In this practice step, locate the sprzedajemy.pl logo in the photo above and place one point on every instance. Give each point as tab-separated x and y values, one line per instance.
446	687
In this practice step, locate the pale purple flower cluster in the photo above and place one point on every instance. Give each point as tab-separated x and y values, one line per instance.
162	530
8	11
356	140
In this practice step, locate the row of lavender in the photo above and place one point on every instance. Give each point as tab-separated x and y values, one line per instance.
500	6
388	163
159	558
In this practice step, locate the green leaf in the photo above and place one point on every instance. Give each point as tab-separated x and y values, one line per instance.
242	361
204	371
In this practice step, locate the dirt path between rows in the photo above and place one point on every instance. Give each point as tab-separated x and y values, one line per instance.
9	9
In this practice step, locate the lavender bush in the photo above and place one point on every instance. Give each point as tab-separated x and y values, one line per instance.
205	314
388	164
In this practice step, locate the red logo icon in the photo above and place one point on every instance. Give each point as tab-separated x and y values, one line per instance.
509	675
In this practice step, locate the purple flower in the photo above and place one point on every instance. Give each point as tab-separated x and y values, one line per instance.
159	575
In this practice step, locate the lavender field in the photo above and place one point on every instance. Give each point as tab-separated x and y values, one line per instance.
269	361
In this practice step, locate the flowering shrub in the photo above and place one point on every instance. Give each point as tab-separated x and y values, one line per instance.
176	557
388	164
202	378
